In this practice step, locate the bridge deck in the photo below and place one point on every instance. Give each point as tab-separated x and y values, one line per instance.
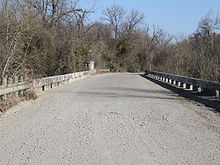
109	119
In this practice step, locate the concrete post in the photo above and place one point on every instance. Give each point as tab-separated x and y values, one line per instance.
179	84
217	93
10	81
199	89
191	87
21	80
184	85
16	81
5	84
174	82
91	65
170	81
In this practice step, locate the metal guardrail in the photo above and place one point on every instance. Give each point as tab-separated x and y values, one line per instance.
42	83
186	82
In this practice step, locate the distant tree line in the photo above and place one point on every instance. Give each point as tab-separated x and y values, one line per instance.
51	37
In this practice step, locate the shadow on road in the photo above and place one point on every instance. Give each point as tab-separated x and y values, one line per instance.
204	98
120	95
138	90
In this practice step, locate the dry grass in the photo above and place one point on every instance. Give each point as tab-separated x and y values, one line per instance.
13	100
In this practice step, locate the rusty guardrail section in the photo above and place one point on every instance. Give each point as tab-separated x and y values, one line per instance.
18	88
186	82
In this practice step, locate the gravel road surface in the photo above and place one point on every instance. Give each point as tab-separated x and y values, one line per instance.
109	119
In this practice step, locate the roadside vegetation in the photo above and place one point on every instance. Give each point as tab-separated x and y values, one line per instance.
51	37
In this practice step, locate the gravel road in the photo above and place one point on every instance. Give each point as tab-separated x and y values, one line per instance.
109	119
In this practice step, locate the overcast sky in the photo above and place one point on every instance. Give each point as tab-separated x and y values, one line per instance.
174	16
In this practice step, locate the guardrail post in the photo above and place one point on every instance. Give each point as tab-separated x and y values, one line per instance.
184	85
199	89
5	83
179	84
170	81
21	80
217	93
174	82
10	81
16	81
191	87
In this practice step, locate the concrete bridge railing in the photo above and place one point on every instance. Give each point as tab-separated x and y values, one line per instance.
186	82
18	86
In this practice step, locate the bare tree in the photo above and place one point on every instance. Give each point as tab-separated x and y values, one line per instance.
133	20
203	42
51	11
115	16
